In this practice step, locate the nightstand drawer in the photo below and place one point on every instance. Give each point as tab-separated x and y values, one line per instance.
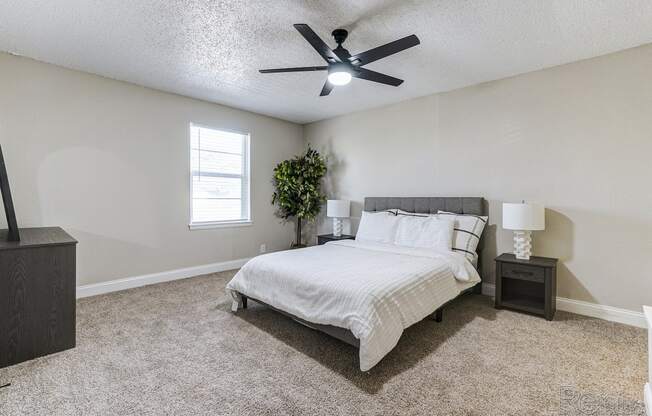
523	272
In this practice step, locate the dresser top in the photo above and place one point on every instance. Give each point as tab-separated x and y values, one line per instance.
36	237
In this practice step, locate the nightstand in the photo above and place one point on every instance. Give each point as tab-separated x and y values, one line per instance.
325	238
527	285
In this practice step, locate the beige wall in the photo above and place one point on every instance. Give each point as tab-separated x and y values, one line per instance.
577	138
108	161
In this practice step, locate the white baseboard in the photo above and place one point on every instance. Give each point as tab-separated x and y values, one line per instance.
608	313
489	289
648	398
150	279
594	310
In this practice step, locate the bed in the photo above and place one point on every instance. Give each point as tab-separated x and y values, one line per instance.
363	293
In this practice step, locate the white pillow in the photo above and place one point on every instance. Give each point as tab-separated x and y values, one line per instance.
425	232
467	233
377	227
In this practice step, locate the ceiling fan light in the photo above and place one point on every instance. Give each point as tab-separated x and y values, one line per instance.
339	78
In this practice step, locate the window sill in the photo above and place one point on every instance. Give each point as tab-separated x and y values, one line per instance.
213	225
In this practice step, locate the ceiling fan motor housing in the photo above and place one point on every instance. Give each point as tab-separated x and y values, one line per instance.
339	67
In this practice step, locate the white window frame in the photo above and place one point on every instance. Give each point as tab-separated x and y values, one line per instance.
246	190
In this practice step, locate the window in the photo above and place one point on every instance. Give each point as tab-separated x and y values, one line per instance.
219	166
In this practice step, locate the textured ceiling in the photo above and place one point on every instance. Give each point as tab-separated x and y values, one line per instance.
212	50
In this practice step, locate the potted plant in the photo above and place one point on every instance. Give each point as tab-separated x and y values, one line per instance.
298	188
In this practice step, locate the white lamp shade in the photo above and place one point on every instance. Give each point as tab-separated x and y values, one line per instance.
337	208
524	217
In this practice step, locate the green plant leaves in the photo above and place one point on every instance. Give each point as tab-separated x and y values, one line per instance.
298	186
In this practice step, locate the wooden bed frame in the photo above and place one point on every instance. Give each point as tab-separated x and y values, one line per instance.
421	205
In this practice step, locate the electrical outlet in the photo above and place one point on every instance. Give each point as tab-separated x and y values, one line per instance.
263	248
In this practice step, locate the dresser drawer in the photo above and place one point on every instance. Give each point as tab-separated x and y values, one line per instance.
523	272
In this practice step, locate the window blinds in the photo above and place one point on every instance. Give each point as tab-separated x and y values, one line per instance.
219	164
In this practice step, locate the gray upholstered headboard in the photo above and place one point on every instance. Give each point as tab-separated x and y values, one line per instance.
428	205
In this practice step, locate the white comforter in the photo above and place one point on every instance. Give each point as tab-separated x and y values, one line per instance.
373	290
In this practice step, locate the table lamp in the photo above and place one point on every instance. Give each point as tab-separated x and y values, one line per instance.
338	209
523	218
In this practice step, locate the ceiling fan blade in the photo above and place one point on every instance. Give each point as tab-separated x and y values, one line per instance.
297	69
328	87
380	52
316	42
374	76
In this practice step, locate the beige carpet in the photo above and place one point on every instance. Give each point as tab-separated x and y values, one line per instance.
175	348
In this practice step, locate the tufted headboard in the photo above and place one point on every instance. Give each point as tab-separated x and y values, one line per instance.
428	205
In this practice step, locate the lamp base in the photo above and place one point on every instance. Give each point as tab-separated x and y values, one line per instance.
337	227
523	244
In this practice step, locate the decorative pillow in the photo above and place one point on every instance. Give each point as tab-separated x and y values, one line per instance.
425	232
377	227
467	233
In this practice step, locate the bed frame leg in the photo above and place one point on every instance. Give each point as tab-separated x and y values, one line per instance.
236	304
438	315
477	289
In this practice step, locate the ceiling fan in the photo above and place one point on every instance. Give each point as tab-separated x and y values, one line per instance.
342	66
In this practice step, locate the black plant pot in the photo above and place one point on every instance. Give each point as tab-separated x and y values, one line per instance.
297	242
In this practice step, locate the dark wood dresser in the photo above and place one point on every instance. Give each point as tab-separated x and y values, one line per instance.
37	294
